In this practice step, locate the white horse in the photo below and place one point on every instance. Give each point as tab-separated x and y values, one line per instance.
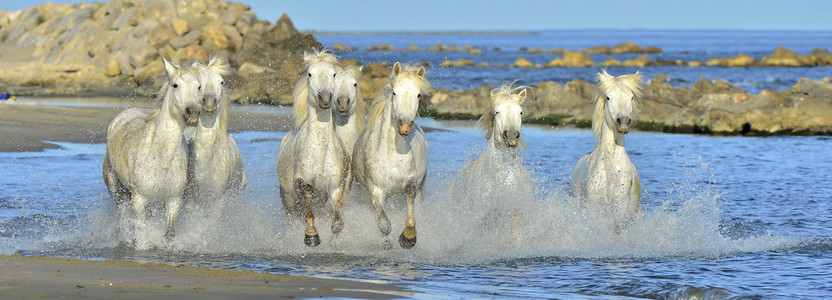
606	179
491	185
391	155
216	167
312	163
146	160
349	106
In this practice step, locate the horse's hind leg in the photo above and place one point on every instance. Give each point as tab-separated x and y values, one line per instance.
311	237
408	237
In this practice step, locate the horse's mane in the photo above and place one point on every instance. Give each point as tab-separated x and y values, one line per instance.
301	90
500	95
407	72
355	72
606	83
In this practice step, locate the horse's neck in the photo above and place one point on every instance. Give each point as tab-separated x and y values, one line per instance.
347	121
321	120
497	151
610	141
209	129
169	124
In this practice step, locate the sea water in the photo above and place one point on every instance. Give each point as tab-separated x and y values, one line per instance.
723	216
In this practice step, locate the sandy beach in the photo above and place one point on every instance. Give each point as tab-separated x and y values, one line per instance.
24	127
47	277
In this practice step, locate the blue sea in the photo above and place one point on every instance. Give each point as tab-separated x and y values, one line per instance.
723	217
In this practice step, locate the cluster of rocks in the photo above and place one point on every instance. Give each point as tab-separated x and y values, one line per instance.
706	107
117	47
622	48
781	57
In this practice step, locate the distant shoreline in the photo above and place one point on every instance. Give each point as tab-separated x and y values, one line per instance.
418	33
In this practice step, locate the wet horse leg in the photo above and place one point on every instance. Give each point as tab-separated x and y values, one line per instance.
377	195
172	209
311	237
408	237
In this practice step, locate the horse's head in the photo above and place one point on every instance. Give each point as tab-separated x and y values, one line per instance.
184	91
346	90
212	85
504	119
321	78
619	94
408	85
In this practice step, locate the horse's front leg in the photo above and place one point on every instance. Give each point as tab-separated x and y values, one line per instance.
172	209
139	206
311	237
377	196
408	237
338	200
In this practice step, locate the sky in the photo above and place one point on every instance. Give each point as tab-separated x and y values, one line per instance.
532	15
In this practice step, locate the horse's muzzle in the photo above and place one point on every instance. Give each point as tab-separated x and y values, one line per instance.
191	116
324	99
623	124
405	128
511	138
343	105
209	106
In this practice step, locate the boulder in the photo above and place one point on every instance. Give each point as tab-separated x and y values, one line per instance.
112	68
179	26
462	62
640	61
186	40
248	69
572	59
523	63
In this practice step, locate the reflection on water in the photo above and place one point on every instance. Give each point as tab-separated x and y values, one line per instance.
717	219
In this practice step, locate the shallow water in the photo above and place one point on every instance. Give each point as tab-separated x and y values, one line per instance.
723	217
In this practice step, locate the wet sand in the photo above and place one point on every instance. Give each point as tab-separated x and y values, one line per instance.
34	277
24	127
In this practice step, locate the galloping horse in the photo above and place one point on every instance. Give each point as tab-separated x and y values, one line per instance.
349	106
216	167
312	162
391	155
146	160
606	179
491	185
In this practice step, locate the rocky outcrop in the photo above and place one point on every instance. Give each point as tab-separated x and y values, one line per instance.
709	107
118	46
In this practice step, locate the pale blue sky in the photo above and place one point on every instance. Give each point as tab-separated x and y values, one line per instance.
439	15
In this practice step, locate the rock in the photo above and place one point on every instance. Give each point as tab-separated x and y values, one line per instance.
233	36
483	64
215	37
413	48
572	59
179	26
781	57
462	62
475	52
112	68
523	63
145	27
640	61
161	35
150	71
741	60
186	40
599	50
381	47
611	62
248	69
184	55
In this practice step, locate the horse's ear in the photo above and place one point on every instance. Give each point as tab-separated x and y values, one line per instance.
170	67
522	95
397	69
421	72
603	76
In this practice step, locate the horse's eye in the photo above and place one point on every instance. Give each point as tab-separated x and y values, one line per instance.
175	85
419	96
355	85
608	98
633	99
333	75
199	87
496	112
310	74
222	82
394	93
521	112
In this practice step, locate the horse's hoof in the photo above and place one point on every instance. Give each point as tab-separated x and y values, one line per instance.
406	243
312	241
